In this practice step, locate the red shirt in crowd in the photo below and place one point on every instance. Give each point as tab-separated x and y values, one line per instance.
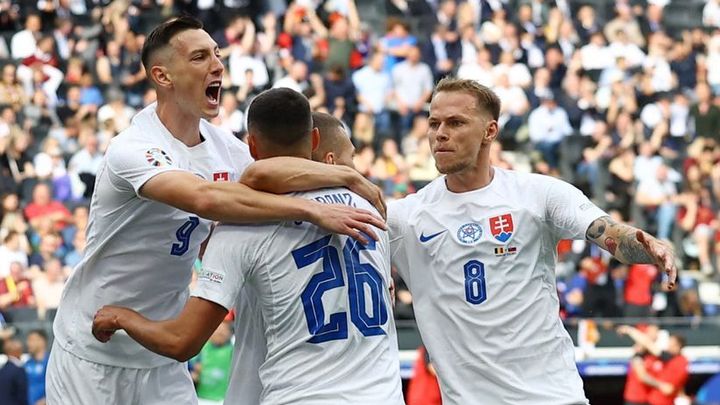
673	371
636	390
423	389
638	286
34	210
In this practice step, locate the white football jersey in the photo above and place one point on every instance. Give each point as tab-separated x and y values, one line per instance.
324	305
480	266
140	252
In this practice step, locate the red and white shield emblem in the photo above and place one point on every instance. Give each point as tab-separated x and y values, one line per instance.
502	227
221	176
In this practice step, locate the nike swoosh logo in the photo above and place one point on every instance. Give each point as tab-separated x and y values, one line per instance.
424	238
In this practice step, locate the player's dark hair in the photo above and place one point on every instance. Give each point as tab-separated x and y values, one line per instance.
486	99
281	116
162	34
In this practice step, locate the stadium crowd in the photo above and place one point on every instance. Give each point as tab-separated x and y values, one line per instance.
617	103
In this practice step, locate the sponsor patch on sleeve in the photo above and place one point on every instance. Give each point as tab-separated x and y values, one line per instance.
211	276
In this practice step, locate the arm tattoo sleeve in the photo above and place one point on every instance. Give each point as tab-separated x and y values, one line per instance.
619	240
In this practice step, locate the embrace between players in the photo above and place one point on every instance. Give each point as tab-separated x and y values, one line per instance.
308	272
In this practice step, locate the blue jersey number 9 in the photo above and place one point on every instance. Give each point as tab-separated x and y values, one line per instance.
475	292
359	275
183	236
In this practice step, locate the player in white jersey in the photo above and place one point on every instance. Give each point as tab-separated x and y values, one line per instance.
161	182
335	148
322	299
477	249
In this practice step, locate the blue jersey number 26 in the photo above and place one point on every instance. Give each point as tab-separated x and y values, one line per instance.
360	275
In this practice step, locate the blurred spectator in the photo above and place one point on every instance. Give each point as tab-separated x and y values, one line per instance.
413	84
705	115
50	247
655	198
374	91
396	43
339	93
548	125
77	250
15	248
42	206
36	365
389	166
13	219
23	42
480	70
116	110
625	24
13	381
12	92
48	286
638	290
636	390
423	388
671	372
211	367
15	289
17	161
296	78
711	14
84	165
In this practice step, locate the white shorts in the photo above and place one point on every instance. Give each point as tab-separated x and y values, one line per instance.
71	380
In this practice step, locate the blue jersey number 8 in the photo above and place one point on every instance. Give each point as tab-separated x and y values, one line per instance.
359	275
475	292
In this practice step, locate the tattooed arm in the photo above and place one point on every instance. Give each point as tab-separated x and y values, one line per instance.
631	245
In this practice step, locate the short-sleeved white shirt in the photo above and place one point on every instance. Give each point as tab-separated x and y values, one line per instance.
140	252
480	266
324	306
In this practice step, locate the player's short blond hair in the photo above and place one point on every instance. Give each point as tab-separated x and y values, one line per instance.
486	99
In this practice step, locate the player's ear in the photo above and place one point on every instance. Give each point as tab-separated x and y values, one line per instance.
161	76
329	158
491	132
252	144
315	139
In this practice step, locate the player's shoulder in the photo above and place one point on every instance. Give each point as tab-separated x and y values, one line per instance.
143	130
431	193
337	195
222	136
524	181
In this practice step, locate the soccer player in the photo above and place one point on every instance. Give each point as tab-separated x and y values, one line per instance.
162	181
477	248
320	298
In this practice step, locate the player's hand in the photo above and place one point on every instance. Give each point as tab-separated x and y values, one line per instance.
666	388
663	256
366	189
345	220
105	322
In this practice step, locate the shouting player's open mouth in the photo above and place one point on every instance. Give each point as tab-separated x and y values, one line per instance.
212	93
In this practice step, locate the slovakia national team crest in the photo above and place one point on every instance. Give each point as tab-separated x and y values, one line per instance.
221	176
469	233
502	227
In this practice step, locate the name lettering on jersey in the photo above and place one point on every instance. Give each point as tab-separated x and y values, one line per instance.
158	157
502	227
336	198
211	276
505	251
221	176
470	233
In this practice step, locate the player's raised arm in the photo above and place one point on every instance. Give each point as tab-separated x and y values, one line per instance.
285	174
631	245
180	338
238	203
